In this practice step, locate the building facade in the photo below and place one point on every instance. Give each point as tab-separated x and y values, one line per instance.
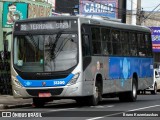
19	9
152	21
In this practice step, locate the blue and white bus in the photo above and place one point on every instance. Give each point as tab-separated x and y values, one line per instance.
79	58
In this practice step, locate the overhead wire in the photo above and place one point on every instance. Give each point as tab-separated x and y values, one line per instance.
150	13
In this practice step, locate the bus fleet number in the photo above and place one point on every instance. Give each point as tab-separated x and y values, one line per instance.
59	82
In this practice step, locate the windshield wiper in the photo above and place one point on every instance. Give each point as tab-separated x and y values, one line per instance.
53	45
32	40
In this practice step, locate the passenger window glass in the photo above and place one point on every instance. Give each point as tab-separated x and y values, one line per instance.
116	42
141	45
133	44
106	43
96	40
124	42
148	45
85	45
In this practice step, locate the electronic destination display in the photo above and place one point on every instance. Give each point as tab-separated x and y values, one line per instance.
46	25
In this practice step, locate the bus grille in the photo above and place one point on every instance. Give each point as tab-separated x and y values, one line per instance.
35	92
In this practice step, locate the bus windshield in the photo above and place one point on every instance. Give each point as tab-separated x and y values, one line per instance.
45	53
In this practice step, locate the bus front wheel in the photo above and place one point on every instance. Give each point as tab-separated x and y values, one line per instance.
97	95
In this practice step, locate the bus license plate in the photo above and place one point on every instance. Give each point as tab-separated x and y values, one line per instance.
44	95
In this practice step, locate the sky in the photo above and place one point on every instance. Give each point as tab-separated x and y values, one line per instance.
147	5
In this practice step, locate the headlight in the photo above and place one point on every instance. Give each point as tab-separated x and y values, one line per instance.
74	79
16	82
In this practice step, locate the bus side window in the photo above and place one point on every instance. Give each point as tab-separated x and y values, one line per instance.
124	42
133	44
96	41
141	45
116	42
148	45
85	45
106	42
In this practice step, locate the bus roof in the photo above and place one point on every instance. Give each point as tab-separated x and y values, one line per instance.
91	21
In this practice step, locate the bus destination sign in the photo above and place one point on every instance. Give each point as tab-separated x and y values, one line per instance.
50	25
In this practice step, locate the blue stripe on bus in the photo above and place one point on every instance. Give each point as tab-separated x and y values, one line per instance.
124	67
45	83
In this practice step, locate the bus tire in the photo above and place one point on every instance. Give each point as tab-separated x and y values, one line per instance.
154	92
96	97
132	95
38	102
93	100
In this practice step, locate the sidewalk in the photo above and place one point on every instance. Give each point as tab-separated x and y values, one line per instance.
8	101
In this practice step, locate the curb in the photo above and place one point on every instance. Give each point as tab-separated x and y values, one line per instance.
3	106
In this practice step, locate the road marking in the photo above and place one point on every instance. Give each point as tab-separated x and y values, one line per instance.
111	106
145	108
114	114
99	106
61	109
95	118
57	110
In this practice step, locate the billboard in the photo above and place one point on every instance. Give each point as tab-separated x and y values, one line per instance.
52	2
107	8
12	12
155	38
38	11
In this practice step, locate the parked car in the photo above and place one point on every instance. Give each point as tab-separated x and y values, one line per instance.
156	82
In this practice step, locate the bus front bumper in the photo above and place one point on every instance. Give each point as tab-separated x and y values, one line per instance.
63	91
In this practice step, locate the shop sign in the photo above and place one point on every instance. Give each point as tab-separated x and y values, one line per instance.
38	11
155	38
12	12
107	8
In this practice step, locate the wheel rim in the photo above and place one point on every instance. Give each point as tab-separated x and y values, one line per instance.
155	89
96	92
134	90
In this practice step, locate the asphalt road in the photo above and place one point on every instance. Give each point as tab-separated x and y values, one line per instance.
108	109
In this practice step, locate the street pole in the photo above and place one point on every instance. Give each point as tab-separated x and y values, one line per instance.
134	12
139	16
122	10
